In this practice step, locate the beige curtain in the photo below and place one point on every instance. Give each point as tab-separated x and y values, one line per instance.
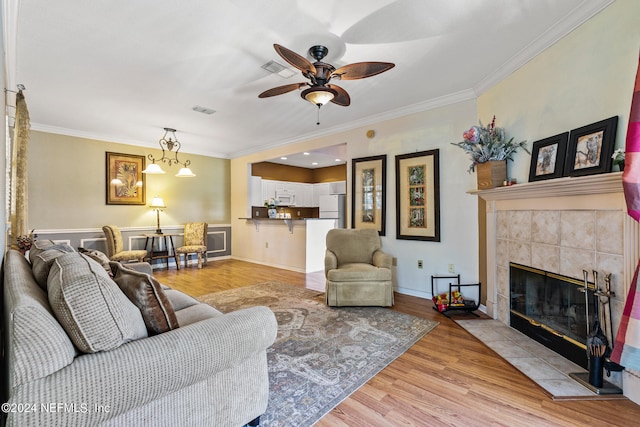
19	207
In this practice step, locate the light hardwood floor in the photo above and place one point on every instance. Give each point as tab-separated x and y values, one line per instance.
447	378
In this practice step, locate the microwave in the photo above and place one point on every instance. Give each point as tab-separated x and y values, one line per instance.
286	198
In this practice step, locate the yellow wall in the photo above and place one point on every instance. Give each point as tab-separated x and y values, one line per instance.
67	185
586	77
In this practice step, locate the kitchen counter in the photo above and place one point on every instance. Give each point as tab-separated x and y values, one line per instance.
301	249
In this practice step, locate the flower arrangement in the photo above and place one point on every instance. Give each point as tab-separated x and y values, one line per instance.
484	144
618	158
271	203
25	241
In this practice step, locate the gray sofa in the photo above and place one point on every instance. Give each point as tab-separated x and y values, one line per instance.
66	364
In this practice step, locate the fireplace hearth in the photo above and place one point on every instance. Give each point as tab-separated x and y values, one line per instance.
551	309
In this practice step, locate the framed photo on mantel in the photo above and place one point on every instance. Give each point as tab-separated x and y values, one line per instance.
369	195
547	157
590	148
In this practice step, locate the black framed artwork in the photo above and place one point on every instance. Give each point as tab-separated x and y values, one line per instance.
368	190
547	157
418	196
590	148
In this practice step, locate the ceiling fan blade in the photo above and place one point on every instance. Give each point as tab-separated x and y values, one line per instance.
300	62
281	89
361	70
343	97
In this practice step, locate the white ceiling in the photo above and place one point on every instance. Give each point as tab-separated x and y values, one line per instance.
122	70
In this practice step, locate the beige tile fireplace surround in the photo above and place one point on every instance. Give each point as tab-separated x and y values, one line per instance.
564	226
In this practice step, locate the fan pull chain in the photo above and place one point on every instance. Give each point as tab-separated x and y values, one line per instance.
318	122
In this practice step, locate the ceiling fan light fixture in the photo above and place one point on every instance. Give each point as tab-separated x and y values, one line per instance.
319	95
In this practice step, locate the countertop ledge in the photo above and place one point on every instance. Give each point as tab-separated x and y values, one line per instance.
288	219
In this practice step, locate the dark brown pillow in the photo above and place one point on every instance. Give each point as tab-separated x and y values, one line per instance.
146	293
99	257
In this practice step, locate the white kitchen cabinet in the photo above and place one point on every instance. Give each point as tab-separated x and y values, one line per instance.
298	193
304	195
338	187
320	189
268	190
255	191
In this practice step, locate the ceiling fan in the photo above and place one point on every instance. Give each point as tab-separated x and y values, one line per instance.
320	74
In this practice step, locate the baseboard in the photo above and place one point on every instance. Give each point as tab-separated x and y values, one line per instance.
413	292
284	267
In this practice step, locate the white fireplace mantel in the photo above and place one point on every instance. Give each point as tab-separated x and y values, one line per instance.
560	187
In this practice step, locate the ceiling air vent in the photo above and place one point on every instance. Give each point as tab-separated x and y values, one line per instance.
279	69
203	110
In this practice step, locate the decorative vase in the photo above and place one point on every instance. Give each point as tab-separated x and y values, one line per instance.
272	212
491	174
621	165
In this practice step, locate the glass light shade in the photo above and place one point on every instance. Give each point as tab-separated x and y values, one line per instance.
185	173
319	95
157	203
153	169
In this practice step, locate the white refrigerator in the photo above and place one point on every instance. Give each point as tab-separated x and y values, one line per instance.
333	206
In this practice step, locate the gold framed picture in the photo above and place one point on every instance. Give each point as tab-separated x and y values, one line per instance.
125	181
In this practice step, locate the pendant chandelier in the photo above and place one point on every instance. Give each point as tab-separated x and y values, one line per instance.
167	146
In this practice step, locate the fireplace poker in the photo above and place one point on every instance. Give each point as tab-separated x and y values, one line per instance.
586	297
610	365
596	338
607	296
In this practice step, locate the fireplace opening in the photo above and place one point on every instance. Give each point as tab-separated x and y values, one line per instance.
551	309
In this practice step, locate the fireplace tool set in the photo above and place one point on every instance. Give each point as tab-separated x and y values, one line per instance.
599	347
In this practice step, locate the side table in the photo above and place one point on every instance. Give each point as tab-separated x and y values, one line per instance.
169	251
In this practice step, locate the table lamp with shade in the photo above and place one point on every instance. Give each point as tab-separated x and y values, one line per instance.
157	204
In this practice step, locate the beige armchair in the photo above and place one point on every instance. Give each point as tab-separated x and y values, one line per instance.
115	249
358	272
195	241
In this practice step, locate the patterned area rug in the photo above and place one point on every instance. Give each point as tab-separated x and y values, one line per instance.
321	354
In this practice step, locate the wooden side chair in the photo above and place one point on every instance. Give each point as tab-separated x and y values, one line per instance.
195	242
115	248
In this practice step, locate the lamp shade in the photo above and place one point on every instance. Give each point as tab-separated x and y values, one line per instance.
185	173
157	203
319	95
153	169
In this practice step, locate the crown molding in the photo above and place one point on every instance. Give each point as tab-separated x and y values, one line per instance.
578	16
112	138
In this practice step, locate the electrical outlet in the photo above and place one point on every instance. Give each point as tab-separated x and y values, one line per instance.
266	245
298	214
419	263
452	268
257	213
